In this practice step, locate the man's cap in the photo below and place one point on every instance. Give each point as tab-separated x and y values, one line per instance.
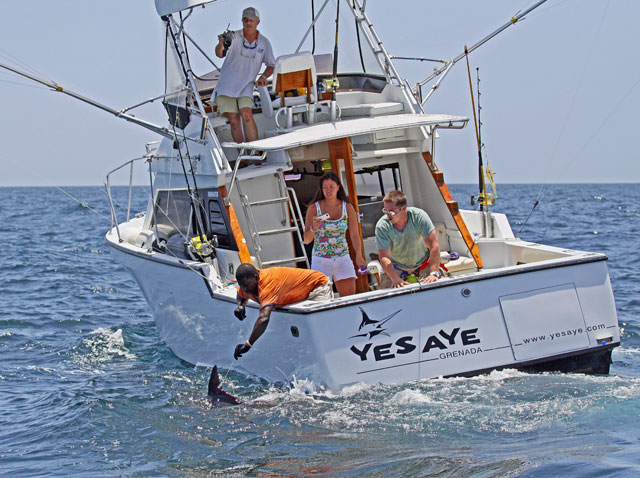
251	12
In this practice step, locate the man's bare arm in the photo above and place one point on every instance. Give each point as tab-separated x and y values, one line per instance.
434	255
387	265
220	46
258	329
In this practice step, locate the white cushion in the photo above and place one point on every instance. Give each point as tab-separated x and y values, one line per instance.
291	101
373	109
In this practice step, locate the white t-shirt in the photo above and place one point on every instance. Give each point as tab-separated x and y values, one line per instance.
242	65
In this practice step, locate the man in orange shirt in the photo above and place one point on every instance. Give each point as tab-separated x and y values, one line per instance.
273	288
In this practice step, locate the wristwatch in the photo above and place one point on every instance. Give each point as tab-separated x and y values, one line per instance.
435	273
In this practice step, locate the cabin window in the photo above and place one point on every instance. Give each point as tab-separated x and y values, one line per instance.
372	185
174	215
368	82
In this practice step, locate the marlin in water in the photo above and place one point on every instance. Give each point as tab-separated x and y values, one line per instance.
216	395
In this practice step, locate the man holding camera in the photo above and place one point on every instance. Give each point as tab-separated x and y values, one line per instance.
245	51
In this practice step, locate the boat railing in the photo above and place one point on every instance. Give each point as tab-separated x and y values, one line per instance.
151	152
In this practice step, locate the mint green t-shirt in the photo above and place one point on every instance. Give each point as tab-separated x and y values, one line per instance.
408	249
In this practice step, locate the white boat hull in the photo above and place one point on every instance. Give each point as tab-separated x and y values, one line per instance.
556	316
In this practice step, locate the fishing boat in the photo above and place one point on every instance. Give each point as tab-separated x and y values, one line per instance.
215	204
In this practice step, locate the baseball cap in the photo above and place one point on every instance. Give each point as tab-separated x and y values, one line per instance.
250	12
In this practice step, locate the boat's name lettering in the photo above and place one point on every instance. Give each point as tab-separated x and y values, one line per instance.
468	337
383	352
404	345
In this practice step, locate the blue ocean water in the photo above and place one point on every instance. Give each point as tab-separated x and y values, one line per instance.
86	388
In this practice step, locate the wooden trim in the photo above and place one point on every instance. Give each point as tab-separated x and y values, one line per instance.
341	148
243	250
294	79
452	204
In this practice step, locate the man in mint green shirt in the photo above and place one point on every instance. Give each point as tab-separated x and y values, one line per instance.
406	241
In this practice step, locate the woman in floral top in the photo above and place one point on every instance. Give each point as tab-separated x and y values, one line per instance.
329	235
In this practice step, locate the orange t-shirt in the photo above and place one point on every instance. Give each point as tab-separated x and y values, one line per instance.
285	285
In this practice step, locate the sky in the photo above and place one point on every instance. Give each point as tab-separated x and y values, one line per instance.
559	90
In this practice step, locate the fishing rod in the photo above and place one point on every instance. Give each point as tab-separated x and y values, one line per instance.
313	26
334	81
197	209
200	215
163	131
488	172
481	186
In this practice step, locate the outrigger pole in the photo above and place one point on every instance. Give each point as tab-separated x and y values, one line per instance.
163	131
444	69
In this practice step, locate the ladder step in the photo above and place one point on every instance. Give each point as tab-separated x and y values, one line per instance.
284	261
277	231
269	201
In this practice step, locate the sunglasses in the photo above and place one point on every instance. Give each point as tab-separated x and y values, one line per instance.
392	212
248	46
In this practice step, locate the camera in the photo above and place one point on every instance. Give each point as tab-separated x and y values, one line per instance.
227	36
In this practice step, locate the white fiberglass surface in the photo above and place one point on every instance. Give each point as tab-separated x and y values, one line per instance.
346	128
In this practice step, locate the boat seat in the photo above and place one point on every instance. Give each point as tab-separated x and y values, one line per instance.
462	263
294	82
372	109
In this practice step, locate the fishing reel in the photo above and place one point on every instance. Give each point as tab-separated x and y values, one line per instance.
486	198
227	38
199	248
330	85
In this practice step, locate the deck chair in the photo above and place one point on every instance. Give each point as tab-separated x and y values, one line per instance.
294	81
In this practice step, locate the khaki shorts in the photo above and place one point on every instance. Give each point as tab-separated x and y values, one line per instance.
322	292
227	104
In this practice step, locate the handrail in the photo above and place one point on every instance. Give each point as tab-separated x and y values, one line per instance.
151	100
114	214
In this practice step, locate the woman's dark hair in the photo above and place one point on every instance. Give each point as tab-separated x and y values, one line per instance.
330	175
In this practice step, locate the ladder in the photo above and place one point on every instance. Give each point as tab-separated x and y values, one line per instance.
290	209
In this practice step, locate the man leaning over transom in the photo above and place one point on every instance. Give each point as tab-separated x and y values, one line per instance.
272	288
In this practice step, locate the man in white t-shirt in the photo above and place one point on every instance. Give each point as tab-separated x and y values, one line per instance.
249	49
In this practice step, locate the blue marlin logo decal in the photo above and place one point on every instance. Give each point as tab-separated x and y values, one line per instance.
375	327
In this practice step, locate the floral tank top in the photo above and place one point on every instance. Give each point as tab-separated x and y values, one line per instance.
331	236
